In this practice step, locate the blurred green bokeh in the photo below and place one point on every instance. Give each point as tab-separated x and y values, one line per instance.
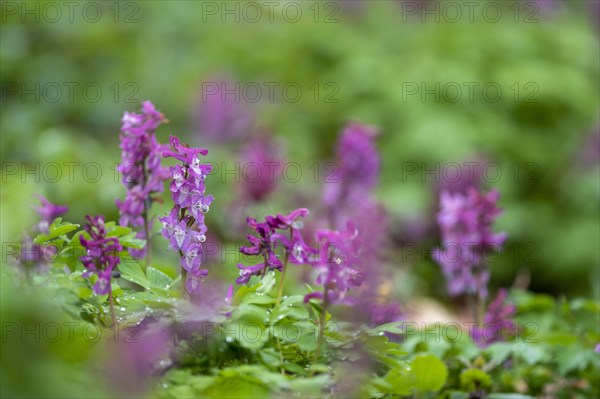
369	58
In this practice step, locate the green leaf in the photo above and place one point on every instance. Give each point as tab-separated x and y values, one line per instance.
532	353
499	351
267	284
258	298
292	307
247	326
475	379
131	271
396	382
430	373
311	387
394	328
116	231
574	357
56	229
158	279
130	241
241	293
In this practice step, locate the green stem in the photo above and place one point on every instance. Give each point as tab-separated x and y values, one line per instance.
183	277
281	359
283	271
281	282
145	216
111	302
321	327
264	270
148	238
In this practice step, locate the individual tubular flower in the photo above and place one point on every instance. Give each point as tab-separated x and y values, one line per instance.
465	220
336	265
48	212
184	226
497	322
102	254
143	175
270	234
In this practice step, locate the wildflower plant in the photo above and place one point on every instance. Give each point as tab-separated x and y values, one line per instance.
102	255
184	226
465	221
143	175
497	323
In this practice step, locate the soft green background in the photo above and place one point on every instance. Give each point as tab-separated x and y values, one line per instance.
162	51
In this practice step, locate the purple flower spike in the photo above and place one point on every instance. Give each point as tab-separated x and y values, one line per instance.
263	163
143	175
497	322
48	212
358	166
267	240
336	264
220	115
102	254
465	221
184	226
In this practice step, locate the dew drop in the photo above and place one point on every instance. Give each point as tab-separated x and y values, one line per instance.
229	339
123	308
